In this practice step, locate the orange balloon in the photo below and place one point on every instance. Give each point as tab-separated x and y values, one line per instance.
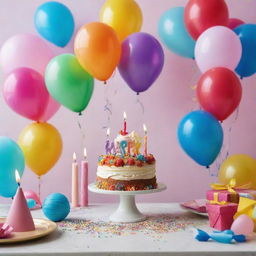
97	49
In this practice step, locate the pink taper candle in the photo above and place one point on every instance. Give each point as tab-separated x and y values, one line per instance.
74	182
84	180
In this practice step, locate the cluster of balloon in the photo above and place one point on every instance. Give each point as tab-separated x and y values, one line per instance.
220	46
24	58
141	55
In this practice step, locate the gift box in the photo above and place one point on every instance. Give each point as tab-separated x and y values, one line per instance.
247	206
221	215
222	196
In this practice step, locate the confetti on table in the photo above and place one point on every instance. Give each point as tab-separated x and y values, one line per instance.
154	226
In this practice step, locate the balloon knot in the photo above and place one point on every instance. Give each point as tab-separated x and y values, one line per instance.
80	113
207	166
105	82
138	93
241	77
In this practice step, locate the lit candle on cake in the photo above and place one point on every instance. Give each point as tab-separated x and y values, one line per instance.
145	140
124	131
19	216
74	182
84	180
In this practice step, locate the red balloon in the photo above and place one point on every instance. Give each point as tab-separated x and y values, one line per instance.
234	22
219	92
202	14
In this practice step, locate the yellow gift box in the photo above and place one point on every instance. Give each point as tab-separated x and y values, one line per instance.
247	206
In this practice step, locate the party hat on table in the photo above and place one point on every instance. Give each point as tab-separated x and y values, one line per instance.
19	216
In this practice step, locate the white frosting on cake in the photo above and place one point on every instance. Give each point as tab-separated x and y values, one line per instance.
147	171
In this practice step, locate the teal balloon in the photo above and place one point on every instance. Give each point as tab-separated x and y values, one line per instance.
55	23
69	83
173	33
247	65
201	136
11	159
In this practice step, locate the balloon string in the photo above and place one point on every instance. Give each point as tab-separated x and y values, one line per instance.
82	132
39	187
224	153
140	103
107	109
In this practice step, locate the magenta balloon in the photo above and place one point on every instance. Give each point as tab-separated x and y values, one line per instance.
25	50
218	46
141	61
234	22
25	92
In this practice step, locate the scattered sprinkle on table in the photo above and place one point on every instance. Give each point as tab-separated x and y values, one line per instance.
154	226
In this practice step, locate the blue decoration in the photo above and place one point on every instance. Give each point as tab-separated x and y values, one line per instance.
247	35
226	236
173	33
240	238
54	22
201	235
123	145
201	136
11	159
141	157
31	203
56	207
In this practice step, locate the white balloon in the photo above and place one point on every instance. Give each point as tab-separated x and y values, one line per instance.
218	46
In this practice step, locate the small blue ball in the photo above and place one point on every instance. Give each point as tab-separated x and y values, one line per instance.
56	207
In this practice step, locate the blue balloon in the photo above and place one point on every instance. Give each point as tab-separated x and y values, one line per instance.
54	22
173	32
201	136
56	207
11	159
247	35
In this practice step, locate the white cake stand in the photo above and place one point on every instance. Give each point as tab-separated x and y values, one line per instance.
127	210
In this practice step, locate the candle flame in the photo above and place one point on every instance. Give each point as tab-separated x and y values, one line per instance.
108	132
74	156
125	116
145	128
85	153
17	176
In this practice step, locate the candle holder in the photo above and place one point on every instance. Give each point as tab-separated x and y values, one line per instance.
127	211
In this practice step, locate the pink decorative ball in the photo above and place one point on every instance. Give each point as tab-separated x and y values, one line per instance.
243	225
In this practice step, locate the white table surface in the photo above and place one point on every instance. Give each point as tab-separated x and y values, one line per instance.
71	242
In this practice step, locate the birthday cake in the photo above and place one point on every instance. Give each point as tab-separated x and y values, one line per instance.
123	167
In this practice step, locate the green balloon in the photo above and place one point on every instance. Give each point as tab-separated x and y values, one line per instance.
69	83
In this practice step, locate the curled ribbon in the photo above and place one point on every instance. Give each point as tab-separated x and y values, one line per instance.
230	187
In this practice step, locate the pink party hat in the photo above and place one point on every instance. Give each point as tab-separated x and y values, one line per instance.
19	216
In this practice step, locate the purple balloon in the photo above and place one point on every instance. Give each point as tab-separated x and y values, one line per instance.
141	62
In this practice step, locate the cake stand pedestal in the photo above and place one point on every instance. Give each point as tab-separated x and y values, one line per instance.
127	210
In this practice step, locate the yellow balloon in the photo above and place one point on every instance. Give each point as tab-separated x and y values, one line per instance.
124	16
240	167
42	145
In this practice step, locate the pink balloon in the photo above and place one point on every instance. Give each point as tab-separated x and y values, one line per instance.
30	194
25	50
234	22
218	46
25	92
51	108
243	225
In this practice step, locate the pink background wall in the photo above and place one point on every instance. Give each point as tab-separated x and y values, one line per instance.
168	100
